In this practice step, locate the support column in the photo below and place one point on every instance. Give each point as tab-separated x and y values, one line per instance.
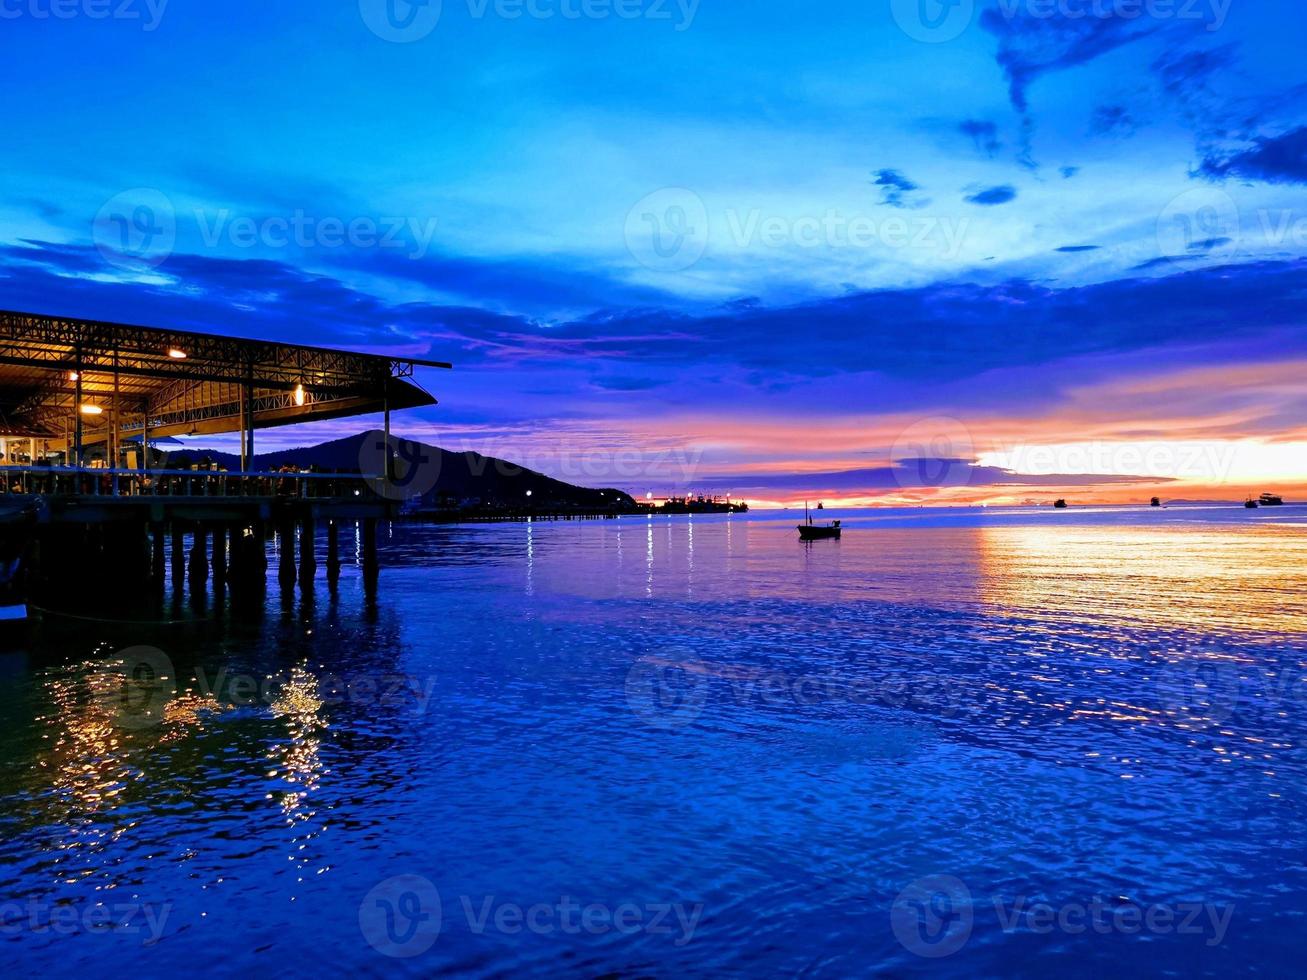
199	558
333	553
77	414
159	556
308	560
145	439
286	567
219	555
371	568
178	555
390	468
249	424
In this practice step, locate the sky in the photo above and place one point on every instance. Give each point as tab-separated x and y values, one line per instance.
876	252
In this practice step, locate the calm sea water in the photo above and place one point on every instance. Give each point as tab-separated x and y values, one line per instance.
966	742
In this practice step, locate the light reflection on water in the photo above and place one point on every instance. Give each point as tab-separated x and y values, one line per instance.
1110	705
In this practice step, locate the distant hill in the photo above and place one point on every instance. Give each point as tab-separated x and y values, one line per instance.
441	477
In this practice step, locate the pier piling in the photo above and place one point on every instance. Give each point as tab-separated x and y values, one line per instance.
286	547
199	570
308	559
333	552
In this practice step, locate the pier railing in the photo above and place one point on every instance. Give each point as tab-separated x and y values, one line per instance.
67	481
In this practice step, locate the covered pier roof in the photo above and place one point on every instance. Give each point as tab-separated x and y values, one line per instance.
120	380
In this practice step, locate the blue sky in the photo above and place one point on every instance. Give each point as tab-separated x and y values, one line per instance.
758	238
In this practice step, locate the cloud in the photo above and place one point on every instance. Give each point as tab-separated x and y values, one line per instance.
1162	260
627	384
895	188
1068	172
905	474
1183	73
1275	160
1079	248
926	336
1031	46
983	134
992	196
1111	118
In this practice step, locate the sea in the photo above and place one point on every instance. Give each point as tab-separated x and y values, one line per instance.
960	742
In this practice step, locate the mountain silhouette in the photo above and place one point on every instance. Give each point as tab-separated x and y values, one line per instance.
441	477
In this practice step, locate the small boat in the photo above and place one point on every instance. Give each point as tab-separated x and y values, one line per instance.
1060	504
820	505
809	531
1157	502
1251	504
1271	500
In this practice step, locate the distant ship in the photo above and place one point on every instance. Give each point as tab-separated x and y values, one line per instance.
1157	502
809	531
820	505
1060	504
1251	504
1271	500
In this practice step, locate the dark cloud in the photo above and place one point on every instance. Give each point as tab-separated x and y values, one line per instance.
992	196
923	335
1207	244
1069	172
1184	72
1109	119
1275	160
894	189
46	209
1079	248
627	384
1031	46
983	135
915	474
1160	261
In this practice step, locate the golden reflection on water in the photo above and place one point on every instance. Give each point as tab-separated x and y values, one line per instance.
297	762
101	724
1243	579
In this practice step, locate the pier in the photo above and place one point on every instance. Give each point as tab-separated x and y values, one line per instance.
83	404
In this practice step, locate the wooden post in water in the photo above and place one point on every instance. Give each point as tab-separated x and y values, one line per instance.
286	567
159	556
219	555
178	555
199	558
333	552
371	568
308	560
